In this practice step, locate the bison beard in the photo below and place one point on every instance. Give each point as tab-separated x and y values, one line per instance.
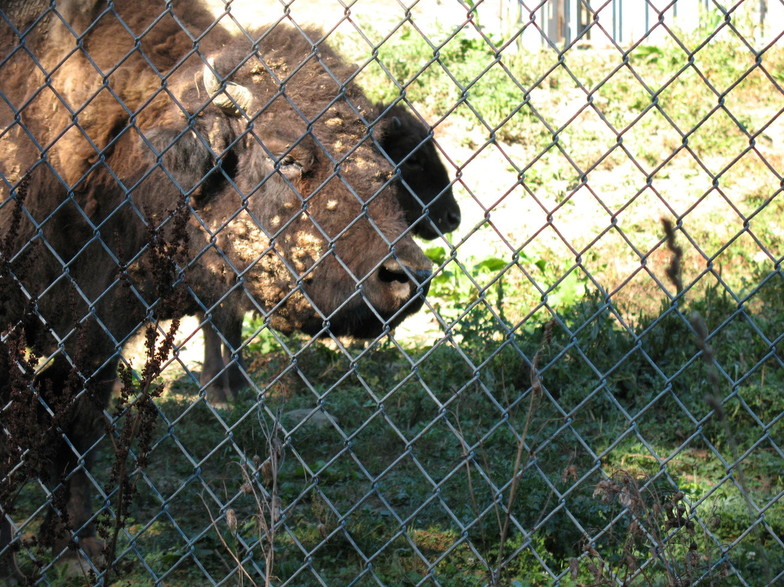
246	163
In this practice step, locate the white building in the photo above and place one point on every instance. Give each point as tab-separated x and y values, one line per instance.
604	23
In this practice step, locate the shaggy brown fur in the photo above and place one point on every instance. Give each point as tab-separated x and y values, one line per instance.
276	202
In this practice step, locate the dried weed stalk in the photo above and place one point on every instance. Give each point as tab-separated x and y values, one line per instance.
22	450
713	401
134	417
660	528
259	479
521	455
673	271
712	398
34	412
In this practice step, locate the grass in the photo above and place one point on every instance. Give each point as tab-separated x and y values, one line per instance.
582	415
410	475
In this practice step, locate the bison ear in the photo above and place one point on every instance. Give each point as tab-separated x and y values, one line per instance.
395	131
187	159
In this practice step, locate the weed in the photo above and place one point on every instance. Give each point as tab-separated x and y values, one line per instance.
132	424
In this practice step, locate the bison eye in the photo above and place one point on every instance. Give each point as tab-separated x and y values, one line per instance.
414	162
289	166
287	160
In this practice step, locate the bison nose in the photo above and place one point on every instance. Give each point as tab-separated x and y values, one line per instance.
392	271
453	220
422	275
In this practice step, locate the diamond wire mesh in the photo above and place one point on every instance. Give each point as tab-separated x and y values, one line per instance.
588	396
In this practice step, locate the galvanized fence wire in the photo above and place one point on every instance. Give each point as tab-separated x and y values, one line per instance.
574	413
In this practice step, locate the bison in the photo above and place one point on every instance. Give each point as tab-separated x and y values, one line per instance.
154	164
429	205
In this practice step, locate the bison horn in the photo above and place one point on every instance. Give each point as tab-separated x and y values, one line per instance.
233	99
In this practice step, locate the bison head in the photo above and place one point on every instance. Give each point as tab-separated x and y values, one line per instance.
296	214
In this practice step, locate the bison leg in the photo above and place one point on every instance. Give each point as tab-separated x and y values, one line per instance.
214	377
76	425
223	370
233	356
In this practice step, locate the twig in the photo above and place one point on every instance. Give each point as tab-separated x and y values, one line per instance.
520	460
673	270
269	472
214	523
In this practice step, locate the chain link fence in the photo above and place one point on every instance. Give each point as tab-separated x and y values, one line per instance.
590	393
